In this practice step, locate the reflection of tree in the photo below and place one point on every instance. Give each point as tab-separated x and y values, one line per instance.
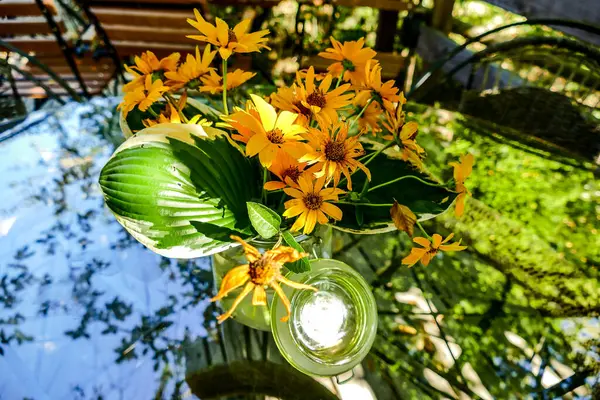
500	310
510	309
439	324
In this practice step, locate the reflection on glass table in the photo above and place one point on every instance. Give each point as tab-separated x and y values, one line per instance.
86	312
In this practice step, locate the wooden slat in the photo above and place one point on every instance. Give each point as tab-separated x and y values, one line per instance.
127	48
150	34
65	69
39	93
392	5
143	18
252	3
37	46
87	76
14	27
391	64
93	83
22	8
191	3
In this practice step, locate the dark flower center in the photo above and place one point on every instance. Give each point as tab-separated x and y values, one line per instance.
313	201
335	151
260	271
232	38
316	99
348	65
303	109
293	173
275	136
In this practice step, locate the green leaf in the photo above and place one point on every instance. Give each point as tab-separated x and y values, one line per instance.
424	200
264	220
180	189
300	266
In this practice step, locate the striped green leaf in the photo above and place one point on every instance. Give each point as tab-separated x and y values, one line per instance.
180	190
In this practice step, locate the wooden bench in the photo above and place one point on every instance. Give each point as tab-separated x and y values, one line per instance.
28	27
159	26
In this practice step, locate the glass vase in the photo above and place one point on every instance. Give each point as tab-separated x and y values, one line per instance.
317	245
329	331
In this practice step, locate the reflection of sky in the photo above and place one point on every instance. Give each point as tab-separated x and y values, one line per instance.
65	259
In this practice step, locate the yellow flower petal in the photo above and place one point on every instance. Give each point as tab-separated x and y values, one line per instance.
268	115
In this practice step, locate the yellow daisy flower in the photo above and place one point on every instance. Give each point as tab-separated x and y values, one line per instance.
286	98
430	249
189	73
262	270
322	102
143	97
229	41
271	132
310	205
372	87
287	169
351	58
213	83
462	171
148	64
244	129
333	153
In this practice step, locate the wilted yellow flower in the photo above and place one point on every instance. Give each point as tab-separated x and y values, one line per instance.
404	133
262	270
430	249
309	203
229	41
462	171
351	58
372	87
143	96
189	73
369	120
214	82
334	153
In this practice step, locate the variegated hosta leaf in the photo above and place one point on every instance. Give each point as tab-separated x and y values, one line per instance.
193	108
180	190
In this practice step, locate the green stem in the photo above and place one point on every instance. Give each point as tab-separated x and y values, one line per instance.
151	111
281	202
372	156
387	146
360	113
405	177
225	107
363	204
340	78
264	191
423	230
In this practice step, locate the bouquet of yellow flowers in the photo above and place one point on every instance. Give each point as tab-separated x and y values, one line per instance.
334	148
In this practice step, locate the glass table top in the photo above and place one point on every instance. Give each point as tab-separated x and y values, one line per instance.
86	312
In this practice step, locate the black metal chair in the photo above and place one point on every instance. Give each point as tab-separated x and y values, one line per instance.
545	87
